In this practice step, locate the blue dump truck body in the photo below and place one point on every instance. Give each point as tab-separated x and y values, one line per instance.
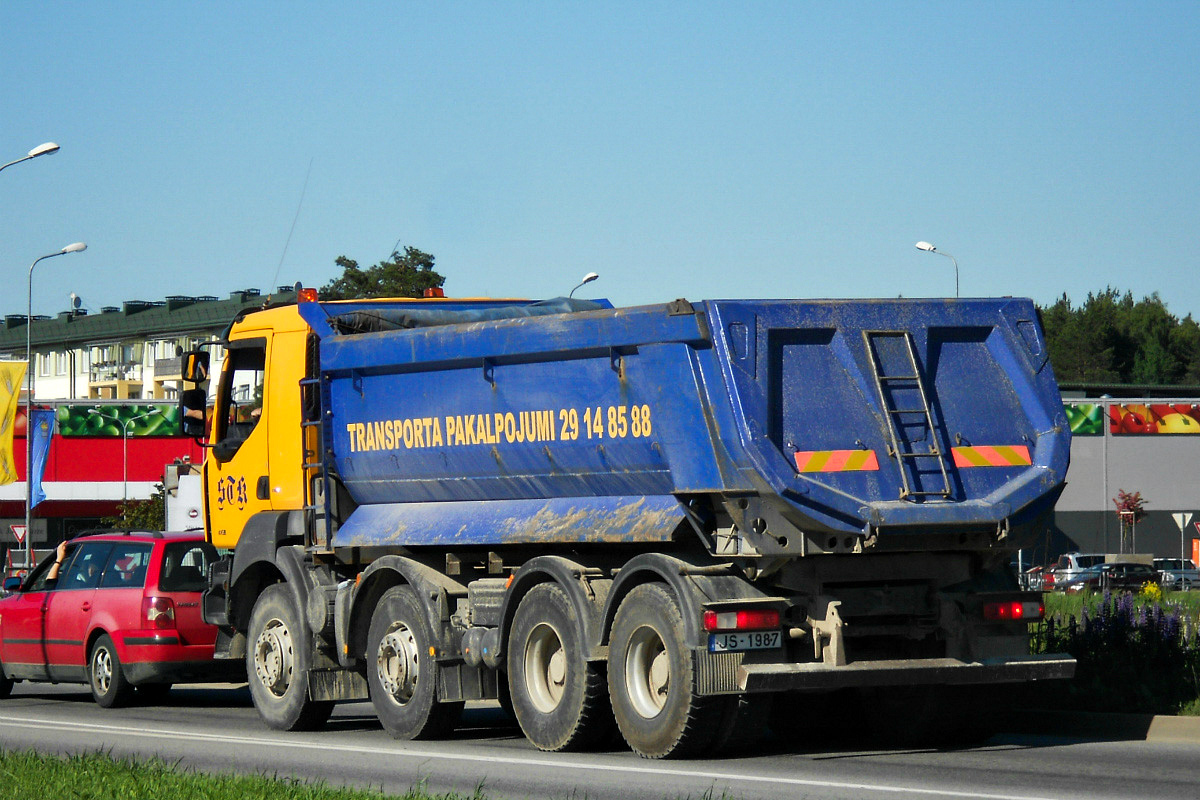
512	430
648	517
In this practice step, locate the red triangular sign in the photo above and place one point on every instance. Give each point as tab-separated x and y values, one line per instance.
19	532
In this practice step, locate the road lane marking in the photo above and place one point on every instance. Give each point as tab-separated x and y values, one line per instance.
425	755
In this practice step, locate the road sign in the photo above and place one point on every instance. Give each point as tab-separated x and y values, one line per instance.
19	532
1181	519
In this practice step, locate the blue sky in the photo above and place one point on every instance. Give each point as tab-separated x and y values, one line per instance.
695	150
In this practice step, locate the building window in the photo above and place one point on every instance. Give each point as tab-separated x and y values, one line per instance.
60	363
43	362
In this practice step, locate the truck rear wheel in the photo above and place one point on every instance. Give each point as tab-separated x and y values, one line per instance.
277	662
650	679
558	697
401	672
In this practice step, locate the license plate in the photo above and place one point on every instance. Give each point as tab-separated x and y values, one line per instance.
747	640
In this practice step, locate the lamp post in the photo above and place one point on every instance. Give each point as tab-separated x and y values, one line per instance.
41	150
928	248
124	443
77	247
591	276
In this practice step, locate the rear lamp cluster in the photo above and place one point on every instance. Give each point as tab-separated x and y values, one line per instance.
159	612
1011	610
760	619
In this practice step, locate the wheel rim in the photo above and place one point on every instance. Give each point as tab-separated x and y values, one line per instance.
397	663
545	668
647	672
102	670
274	657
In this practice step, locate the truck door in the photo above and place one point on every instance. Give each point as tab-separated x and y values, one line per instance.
236	479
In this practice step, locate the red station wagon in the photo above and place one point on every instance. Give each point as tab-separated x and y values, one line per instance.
124	611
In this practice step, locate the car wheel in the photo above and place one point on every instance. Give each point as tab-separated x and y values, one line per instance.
110	688
277	662
401	672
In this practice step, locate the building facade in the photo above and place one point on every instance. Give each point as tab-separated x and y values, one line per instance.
112	378
125	353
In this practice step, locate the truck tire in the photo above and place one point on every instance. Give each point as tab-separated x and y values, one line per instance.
110	689
277	662
401	672
558	697
650	679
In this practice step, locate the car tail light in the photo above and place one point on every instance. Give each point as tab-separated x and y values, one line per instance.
159	612
751	620
1013	610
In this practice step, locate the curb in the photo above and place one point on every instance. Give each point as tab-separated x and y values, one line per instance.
1089	725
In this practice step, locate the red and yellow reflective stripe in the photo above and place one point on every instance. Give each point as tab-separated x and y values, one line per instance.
836	460
999	456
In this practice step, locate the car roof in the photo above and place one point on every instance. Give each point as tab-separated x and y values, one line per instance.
138	536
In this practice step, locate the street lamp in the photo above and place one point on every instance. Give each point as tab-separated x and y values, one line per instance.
591	276
77	247
124	443
41	150
928	248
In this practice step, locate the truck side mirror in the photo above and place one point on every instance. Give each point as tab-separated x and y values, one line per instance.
195	366
191	411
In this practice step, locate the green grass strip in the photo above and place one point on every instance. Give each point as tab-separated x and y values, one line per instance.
98	776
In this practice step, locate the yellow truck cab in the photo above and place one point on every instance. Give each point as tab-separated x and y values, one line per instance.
256	459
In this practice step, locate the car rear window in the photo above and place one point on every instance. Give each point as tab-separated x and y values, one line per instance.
1090	561
185	566
126	568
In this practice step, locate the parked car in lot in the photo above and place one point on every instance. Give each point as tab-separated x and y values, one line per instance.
1176	573
1068	567
1114	577
123	611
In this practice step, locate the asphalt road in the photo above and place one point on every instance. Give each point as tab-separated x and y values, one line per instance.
218	730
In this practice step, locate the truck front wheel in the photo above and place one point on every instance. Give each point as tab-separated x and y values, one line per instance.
558	697
650	679
277	663
401	672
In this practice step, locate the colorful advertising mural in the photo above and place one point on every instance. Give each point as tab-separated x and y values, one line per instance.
1085	419
148	419
1124	418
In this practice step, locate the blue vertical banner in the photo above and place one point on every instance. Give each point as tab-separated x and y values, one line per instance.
42	426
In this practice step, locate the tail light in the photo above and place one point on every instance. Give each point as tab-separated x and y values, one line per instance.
1012	610
159	612
758	619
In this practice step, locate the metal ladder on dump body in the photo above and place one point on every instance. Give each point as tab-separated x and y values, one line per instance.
314	460
906	425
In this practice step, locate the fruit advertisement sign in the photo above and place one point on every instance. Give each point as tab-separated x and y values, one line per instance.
1085	419
1135	418
148	419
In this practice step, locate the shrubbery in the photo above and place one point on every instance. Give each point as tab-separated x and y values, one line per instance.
1136	653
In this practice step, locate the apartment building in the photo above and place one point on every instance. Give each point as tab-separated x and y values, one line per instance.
129	352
